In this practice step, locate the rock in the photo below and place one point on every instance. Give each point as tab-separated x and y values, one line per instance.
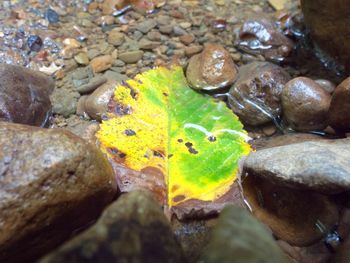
321	166
24	95
96	103
179	31
187	39
82	58
131	57
328	22
115	37
50	178
133	229
256	95
148	45
339	117
212	69
94	83
109	6
64	101
343	255
193	235
285	139
326	85
239	237
292	215
146	26
192	50
81	105
305	105
111	75
101	63
259	35
167	29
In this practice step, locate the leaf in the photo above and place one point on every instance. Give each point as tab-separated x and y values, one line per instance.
159	126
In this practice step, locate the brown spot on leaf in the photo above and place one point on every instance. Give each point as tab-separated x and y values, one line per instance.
190	148
180	140
129	132
158	154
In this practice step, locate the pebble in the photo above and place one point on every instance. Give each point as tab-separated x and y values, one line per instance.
179	31
326	85
112	75
239	237
82	58
101	63
187	39
192	50
134	228
50	178
52	16
212	69
148	45
259	35
93	83
291	214
34	43
115	37
24	95
97	103
131	57
305	105
316	165
339	116
255	96
167	29
146	26
64	101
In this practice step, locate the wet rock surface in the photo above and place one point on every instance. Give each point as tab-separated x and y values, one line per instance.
305	105
259	35
320	165
133	229
239	237
212	69
291	214
256	95
49	178
339	116
24	95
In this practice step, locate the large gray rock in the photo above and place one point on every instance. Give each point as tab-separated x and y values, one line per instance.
133	229
320	165
52	183
239	237
24	95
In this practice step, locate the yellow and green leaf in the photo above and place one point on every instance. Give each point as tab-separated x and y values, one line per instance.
157	122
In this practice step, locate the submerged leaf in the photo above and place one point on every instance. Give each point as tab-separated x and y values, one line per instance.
159	126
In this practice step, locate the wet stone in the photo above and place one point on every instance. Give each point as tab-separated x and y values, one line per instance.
50	177
339	116
239	237
24	95
93	83
64	101
133	229
305	105
295	216
212	69
146	26
256	95
321	166
101	63
97	103
259	35
131	57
